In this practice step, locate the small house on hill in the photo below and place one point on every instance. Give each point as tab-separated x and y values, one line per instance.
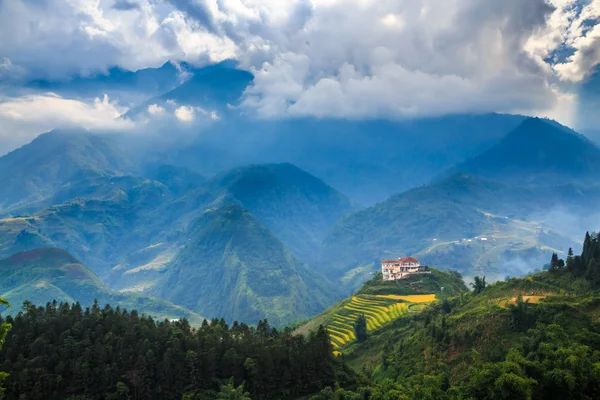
401	268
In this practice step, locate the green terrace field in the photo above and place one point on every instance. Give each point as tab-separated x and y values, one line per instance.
379	311
384	303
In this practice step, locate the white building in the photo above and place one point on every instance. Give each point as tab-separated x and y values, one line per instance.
400	268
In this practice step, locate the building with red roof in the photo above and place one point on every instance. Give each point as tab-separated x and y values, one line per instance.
401	268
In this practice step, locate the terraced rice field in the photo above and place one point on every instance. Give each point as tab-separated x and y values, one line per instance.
414	298
378	310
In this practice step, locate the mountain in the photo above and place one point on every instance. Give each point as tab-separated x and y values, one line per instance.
463	223
43	275
177	179
296	206
593	135
538	152
100	231
138	234
211	88
32	174
127	229
235	268
366	160
118	82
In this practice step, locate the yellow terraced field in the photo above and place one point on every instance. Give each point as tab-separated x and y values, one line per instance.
344	318
336	340
370	304
339	334
379	316
415	298
378	310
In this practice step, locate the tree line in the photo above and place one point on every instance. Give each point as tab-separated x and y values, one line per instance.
586	265
63	351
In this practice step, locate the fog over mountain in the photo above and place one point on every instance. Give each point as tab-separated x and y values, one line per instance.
389	60
191	149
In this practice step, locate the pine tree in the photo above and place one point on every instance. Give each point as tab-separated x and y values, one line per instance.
587	248
570	259
4	328
554	264
360	328
593	271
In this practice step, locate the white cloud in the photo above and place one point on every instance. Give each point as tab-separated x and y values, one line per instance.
155	109
57	38
347	58
185	113
23	118
406	58
574	26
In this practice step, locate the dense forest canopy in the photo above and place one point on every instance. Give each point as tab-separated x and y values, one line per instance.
63	351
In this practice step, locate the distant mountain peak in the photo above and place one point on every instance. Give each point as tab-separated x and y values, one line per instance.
538	151
212	88
36	171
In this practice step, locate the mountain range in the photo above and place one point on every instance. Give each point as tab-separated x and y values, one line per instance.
140	234
47	274
212	89
251	218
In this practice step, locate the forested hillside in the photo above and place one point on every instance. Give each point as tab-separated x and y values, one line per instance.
137	234
47	274
536	337
463	223
244	273
32	174
531	338
63	351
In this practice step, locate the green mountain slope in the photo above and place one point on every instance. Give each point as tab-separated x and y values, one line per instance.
299	208
463	223
530	338
101	232
33	173
538	152
382	303
48	274
127	229
235	268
